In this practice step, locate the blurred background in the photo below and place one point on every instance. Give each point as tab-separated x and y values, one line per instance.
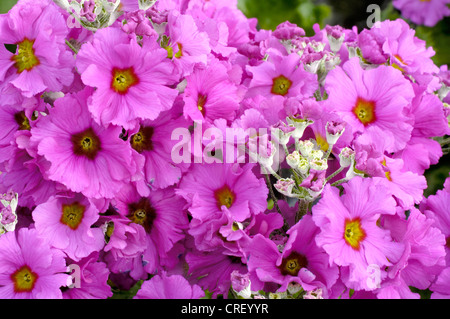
348	13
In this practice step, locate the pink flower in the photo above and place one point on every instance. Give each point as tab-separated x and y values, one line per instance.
131	81
349	231
210	188
424	255
405	51
152	139
301	260
92	282
169	287
186	44
436	207
209	94
441	287
213	271
371	106
69	220
42	60
282	75
123	239
163	218
423	12
83	155
30	269
22	173
407	187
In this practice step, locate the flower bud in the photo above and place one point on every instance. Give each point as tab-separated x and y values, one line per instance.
346	157
293	159
305	147
282	132
240	283
334	130
299	124
319	164
335	37
8	216
315	155
285	186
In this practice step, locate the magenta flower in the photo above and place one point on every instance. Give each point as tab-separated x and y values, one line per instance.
169	287
407	187
209	94
186	44
282	75
210	187
349	231
23	174
41	61
69	220
131	81
423	12
301	260
123	239
92	281
83	156
424	255
29	268
370	106
441	287
14	121
213	271
429	121
153	141
163	218
436	207
407	52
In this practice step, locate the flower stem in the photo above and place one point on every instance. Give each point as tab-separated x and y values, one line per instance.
339	182
274	198
71	47
302	209
340	169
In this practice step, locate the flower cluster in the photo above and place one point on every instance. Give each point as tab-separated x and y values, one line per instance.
321	197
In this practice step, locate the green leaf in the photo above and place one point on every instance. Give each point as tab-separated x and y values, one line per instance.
6	5
127	294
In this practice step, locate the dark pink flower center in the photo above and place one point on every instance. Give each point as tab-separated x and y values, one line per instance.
142	213
86	143
292	264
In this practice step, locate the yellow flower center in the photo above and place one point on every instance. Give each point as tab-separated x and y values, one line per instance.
322	142
25	59
353	233
142	140
72	214
178	54
24	279
281	85
123	79
399	58
224	196
22	120
201	101
387	173
365	111
292	264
